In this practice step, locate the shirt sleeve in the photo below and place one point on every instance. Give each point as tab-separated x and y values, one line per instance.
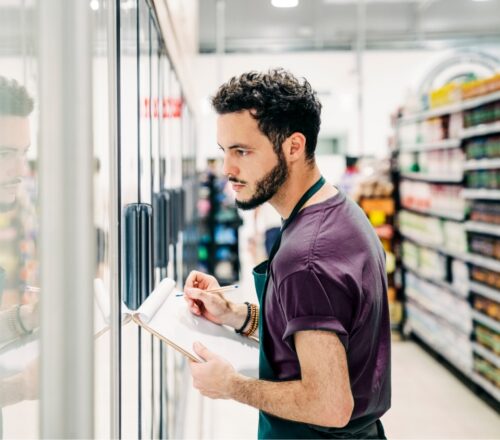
309	304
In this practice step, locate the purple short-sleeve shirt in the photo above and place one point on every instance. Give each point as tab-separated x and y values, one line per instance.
329	274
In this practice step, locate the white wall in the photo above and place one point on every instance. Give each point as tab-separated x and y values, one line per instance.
388	75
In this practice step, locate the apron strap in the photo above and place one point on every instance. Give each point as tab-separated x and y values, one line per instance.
307	195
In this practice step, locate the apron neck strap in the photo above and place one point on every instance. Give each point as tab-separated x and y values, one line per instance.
307	195
303	200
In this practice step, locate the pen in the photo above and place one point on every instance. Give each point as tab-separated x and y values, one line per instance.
223	289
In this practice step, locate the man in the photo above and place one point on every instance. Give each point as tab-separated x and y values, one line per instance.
323	321
18	320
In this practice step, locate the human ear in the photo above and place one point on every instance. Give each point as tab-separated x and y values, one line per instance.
296	145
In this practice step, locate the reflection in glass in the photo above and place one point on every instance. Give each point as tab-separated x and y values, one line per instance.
19	319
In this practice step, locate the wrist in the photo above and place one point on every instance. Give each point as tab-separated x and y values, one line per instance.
236	316
235	382
26	318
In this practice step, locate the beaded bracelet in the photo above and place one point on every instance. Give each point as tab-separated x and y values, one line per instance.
20	321
249	314
254	321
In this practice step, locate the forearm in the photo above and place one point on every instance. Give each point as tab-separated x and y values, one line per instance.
291	400
13	323
11	390
237	317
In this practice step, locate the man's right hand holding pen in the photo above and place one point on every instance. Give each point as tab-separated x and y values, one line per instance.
213	305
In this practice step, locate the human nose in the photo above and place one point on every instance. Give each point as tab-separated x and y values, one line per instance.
19	166
228	166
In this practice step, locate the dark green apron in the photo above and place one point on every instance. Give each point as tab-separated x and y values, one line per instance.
272	427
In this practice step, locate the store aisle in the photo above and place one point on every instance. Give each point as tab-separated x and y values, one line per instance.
428	403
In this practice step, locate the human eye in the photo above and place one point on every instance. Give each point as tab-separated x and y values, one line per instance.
5	154
242	152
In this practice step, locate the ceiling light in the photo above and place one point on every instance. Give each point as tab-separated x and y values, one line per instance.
480	1
94	5
285	3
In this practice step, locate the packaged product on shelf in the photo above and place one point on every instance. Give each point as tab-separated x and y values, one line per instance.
424	196
480	87
486	369
486	306
440	301
432	264
455	236
484	114
409	134
486	245
452	344
410	254
445	95
460	276
485	147
487	338
426	229
455	125
486	179
485	212
486	277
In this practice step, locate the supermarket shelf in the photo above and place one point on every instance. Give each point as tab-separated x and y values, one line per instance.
483	228
429	306
486	385
487	354
485	291
469	193
426	146
452	108
438	248
480	130
472	375
478	260
432	177
458	216
488	263
440	283
486	320
482	164
430	342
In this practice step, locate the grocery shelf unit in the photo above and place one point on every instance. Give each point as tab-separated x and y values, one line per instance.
218	249
380	211
449	164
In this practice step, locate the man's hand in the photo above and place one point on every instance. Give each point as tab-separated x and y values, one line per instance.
214	377
212	306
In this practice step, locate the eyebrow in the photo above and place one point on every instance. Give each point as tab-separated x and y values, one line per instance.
7	148
232	147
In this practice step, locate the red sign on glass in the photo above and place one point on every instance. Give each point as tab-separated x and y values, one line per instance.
168	108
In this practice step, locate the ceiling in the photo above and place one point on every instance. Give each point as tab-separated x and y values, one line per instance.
257	26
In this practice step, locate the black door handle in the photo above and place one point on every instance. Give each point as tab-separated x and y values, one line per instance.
138	255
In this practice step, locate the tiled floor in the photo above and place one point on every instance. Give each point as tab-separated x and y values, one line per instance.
428	402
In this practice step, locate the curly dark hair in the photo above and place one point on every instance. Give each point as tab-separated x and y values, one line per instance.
14	98
281	103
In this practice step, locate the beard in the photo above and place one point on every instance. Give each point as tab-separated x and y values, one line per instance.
268	186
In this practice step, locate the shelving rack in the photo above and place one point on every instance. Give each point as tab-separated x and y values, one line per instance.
218	250
477	295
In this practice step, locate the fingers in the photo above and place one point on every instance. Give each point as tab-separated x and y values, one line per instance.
203	352
193	293
193	307
200	280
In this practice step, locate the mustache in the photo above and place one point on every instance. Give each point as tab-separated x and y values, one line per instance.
16	181
232	179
